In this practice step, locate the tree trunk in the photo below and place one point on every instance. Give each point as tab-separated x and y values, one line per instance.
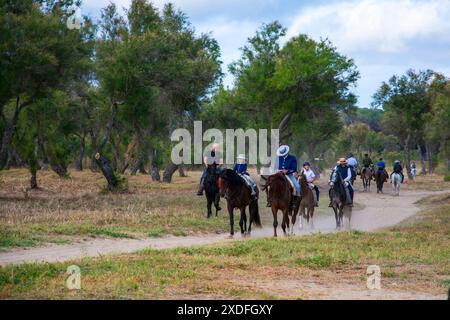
406	156
168	173
153	169
430	159
181	172
423	155
79	161
33	180
129	153
107	171
284	126
8	134
59	168
155	174
93	136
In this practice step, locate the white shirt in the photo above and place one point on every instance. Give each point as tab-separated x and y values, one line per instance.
309	174
352	162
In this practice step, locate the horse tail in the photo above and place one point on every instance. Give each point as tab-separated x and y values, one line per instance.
254	213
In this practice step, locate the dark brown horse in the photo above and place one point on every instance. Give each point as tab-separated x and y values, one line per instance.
279	194
238	196
306	202
381	177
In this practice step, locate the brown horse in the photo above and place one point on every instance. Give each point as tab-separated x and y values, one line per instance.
238	196
381	177
279	194
306	202
366	176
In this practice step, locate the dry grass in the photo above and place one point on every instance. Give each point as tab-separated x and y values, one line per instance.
78	207
413	258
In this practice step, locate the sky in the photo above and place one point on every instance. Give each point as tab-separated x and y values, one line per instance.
384	37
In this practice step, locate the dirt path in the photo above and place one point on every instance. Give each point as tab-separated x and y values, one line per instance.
379	211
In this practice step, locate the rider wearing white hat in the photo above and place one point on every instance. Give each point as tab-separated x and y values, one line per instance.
288	165
241	168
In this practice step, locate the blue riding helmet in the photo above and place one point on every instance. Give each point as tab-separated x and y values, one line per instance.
306	163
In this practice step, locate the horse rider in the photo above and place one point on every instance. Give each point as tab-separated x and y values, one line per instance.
241	169
346	174
366	161
413	168
352	163
214	156
310	178
288	165
381	165
397	169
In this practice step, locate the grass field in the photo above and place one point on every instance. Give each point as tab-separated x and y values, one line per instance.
413	257
66	210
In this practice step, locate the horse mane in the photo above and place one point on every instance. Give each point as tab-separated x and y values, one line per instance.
231	177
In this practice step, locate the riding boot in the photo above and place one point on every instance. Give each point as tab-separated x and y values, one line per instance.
200	189
294	202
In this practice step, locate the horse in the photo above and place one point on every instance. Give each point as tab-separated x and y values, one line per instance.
306	206
279	191
212	189
238	196
366	176
396	180
381	177
339	200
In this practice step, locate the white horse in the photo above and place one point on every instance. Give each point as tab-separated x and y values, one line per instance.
396	182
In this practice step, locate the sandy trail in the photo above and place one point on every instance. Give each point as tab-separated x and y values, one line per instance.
381	210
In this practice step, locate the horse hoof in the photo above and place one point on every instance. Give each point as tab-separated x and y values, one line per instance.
230	236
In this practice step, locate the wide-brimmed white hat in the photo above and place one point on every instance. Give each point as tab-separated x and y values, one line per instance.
241	157
282	151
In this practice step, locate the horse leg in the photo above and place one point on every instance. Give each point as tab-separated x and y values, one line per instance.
208	205
293	220
216	203
231	214
241	223
245	221
301	214
285	220
275	221
336	216
311	216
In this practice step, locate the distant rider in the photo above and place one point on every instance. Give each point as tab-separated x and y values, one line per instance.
212	157
310	178
346	174
397	169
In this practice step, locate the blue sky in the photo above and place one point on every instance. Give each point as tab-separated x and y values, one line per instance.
384	37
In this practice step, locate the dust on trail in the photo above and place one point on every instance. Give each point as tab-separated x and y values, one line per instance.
380	210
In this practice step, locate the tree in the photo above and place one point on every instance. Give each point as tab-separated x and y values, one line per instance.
405	102
33	60
315	84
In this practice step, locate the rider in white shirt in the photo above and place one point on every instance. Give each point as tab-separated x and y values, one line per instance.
310	178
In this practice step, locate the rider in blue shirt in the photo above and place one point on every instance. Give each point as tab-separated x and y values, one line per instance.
241	168
288	165
381	165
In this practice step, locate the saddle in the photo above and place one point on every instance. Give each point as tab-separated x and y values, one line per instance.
291	184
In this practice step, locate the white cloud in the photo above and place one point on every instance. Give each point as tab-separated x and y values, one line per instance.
380	25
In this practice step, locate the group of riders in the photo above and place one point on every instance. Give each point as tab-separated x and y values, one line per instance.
347	168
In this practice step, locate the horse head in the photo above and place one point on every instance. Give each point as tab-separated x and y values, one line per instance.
228	178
